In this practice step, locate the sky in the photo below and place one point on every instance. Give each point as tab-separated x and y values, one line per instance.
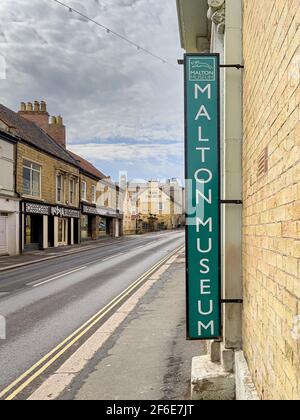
123	109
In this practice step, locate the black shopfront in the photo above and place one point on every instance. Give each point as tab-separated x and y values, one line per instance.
45	226
97	222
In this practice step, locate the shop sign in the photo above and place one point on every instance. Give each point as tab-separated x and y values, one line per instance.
65	212
202	141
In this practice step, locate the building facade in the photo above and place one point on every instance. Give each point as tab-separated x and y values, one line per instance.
50	199
260	167
154	206
47	182
9	202
100	216
65	200
109	205
271	195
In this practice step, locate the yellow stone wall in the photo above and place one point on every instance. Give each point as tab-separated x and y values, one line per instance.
271	244
50	166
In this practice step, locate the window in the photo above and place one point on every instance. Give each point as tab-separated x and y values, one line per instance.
31	179
72	191
94	195
161	206
60	188
83	191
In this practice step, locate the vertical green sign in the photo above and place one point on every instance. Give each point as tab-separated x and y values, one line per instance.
202	114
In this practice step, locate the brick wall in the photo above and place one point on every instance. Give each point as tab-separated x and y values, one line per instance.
50	167
271	161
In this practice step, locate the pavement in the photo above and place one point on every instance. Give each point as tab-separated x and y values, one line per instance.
147	357
45	303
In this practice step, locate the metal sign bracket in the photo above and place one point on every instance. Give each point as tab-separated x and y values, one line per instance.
226	301
222	66
231	202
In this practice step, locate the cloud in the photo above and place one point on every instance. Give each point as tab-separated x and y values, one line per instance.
104	88
128	153
140	159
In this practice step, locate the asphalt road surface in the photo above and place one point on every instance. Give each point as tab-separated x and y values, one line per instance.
46	302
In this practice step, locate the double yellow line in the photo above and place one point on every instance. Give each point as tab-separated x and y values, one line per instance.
21	383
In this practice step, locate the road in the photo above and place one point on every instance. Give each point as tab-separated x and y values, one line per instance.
46	302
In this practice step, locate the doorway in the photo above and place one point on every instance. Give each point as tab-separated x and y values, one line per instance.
33	232
62	232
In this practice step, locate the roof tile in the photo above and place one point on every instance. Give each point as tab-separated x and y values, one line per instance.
34	135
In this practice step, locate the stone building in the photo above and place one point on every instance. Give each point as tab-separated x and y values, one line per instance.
261	167
47	181
9	202
99	213
154	206
130	217
64	199
109	205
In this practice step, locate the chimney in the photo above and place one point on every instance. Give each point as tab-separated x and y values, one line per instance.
43	106
38	114
36	106
57	130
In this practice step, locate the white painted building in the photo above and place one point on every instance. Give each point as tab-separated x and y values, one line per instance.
9	204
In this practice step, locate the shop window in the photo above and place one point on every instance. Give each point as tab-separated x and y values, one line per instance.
83	191
60	188
102	226
31	179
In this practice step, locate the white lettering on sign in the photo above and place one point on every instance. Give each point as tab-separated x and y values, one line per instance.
204	265
210	325
208	222
203	150
207	312
205	288
202	90
200	136
200	195
201	180
202	113
204	251
203	177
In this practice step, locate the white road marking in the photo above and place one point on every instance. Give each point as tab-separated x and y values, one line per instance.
113	256
41	282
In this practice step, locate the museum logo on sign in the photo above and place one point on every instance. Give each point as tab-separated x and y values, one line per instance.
202	71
